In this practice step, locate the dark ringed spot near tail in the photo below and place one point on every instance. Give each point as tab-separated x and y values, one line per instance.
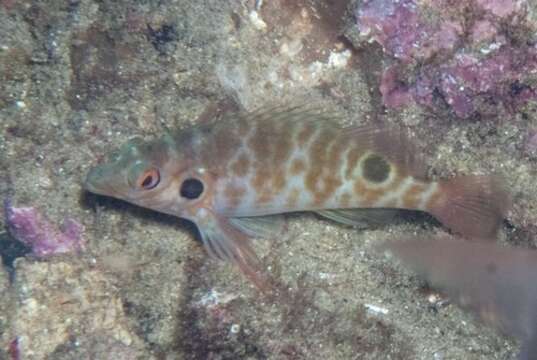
375	168
191	189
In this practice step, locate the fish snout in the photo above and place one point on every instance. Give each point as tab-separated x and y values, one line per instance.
97	181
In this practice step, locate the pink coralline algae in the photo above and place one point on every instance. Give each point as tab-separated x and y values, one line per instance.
475	57
14	351
531	143
30	227
398	27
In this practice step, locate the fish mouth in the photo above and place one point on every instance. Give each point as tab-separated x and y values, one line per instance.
90	182
97	181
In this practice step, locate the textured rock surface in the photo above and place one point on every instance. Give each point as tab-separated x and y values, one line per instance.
68	307
5	311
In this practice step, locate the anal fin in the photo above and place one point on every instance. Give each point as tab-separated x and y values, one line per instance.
361	218
264	227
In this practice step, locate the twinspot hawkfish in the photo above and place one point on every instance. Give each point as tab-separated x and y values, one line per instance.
226	176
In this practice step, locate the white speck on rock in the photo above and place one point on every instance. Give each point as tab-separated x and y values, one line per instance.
339	59
376	310
257	21
235	328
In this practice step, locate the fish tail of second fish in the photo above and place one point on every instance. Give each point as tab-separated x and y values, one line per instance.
472	206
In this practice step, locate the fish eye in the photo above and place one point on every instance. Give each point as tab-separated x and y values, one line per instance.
191	188
149	179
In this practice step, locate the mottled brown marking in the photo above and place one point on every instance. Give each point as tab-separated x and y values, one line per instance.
292	199
375	168
259	143
332	170
391	204
261	177
345	200
412	196
283	143
272	147
352	160
297	166
305	133
278	179
234	194
282	149
331	183
243	127
436	197
323	177
241	166
265	196
368	196
317	160
225	145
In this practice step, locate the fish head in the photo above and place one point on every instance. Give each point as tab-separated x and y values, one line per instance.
151	174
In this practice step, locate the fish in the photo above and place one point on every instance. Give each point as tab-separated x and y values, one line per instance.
231	176
496	283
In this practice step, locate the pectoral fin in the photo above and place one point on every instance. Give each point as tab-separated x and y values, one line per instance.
224	241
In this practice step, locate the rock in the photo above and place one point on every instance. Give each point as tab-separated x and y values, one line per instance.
61	306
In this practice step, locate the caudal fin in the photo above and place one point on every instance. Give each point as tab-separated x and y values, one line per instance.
472	206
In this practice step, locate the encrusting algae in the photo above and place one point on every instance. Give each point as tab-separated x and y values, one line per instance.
228	177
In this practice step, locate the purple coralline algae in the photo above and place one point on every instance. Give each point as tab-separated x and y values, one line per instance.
14	351
477	57
30	227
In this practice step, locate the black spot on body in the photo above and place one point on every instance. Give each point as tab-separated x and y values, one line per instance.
191	189
375	168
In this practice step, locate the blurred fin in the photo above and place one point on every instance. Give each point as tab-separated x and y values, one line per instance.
496	283
529	348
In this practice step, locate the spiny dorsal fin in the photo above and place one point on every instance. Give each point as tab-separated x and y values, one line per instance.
292	113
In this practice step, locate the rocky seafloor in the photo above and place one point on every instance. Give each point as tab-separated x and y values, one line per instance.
79	78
